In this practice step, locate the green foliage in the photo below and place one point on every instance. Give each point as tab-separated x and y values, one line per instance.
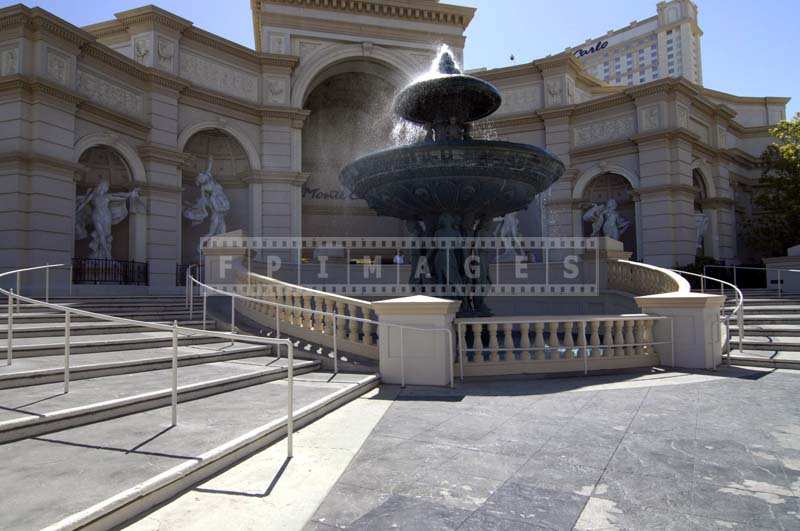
777	226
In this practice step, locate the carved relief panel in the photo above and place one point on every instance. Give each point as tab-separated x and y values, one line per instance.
9	61
276	90
108	94
278	42
554	92
604	130
218	76
520	99
650	118
165	54
57	65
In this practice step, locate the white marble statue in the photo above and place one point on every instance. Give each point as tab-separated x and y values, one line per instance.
102	209
700	227
212	203
508	230
606	221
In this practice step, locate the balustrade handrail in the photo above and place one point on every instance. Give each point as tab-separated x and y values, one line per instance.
174	329
334	315
681	285
550	318
312	292
738	310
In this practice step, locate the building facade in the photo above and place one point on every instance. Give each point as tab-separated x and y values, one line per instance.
149	102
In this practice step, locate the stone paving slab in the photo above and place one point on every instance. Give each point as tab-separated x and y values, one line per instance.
50	477
36	400
663	451
91	358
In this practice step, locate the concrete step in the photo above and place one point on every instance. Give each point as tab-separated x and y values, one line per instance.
761	309
86	328
49	369
772	330
767	343
775	318
762	358
52	316
130	464
48	346
33	411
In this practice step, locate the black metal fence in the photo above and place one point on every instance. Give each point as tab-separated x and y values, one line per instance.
180	273
100	271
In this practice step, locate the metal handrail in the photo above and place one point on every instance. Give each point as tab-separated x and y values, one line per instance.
738	310
333	315
735	267
174	328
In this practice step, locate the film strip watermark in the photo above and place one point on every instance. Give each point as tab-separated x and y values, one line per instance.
435	266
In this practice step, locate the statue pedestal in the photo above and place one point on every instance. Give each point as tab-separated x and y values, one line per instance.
222	255
422	358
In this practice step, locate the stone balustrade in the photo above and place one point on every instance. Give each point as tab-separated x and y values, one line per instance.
577	343
307	314
643	279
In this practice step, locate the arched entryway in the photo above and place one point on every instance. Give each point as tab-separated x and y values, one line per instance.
613	186
350	104
218	167
704	244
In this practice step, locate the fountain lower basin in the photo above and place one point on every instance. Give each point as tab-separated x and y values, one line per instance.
464	178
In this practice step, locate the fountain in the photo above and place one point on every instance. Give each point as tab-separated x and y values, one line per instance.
449	184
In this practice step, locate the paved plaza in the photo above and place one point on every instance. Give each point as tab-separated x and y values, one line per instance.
664	451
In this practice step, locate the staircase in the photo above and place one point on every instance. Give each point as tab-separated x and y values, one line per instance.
113	428
771	335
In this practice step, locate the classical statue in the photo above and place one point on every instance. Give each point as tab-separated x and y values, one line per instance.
508	231
606	221
700	227
212	203
102	209
446	262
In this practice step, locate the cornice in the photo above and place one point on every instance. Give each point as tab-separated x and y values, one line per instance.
297	117
417	11
32	159
37	19
32	86
112	120
149	152
517	120
265	176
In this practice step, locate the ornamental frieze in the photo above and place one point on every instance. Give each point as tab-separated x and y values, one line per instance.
109	95
604	131
218	77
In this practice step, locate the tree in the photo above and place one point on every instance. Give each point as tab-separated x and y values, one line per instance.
776	225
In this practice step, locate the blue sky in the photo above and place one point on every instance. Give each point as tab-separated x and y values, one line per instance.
749	48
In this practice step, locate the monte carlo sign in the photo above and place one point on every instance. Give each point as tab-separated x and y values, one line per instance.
596	48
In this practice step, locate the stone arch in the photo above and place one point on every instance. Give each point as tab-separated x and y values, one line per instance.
586	177
128	153
309	70
250	149
704	170
582	186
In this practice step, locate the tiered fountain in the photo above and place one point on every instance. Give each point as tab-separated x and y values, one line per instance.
449	184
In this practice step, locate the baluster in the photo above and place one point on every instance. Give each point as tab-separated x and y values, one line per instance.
477	334
369	328
538	341
296	302
508	341
462	342
619	338
582	339
306	317
569	343
555	344
608	338
352	324
648	337
639	332
493	344
338	309
324	319
525	341
594	340
630	339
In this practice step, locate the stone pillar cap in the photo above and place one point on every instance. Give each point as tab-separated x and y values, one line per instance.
416	305
682	300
